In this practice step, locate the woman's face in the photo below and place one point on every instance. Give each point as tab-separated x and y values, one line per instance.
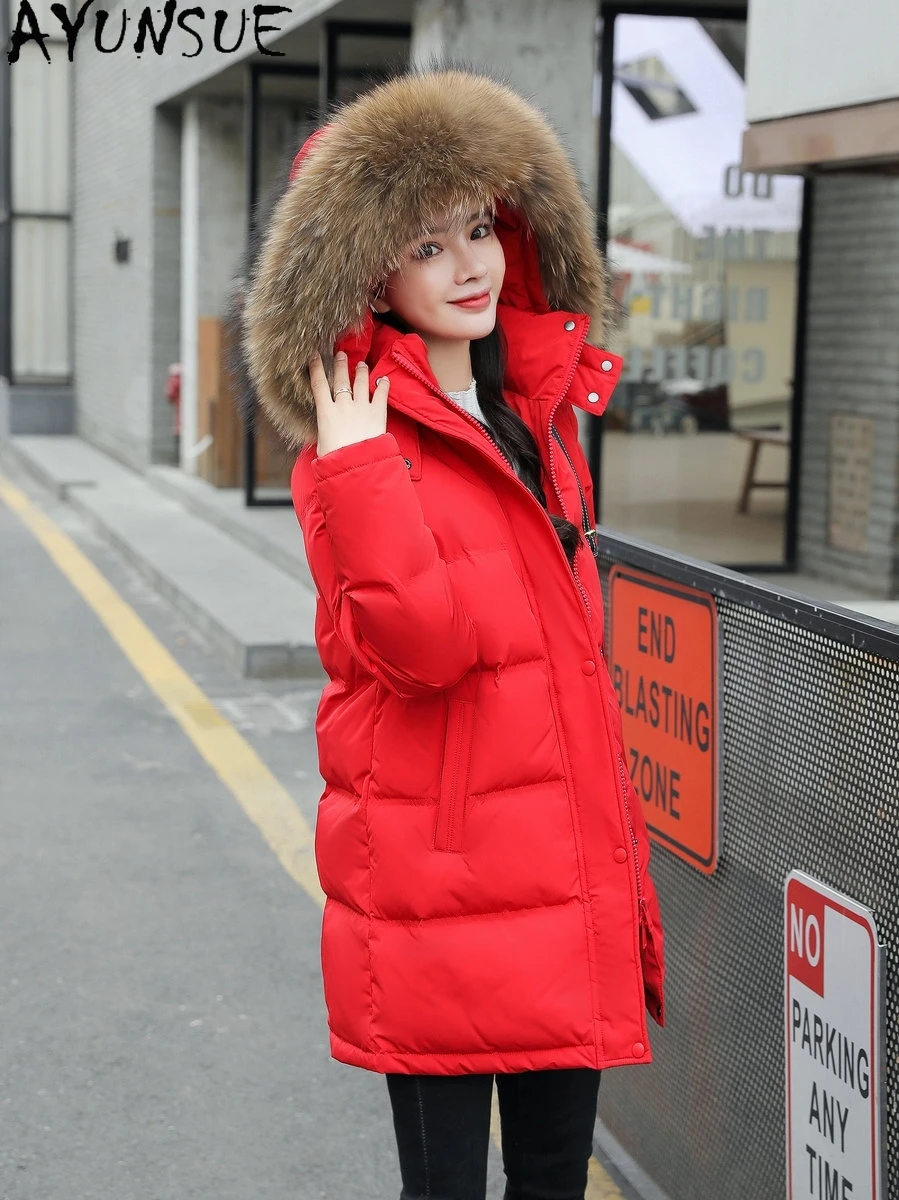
439	272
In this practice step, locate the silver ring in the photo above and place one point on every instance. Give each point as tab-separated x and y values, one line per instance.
343	389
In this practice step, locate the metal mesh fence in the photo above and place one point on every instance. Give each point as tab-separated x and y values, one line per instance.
809	763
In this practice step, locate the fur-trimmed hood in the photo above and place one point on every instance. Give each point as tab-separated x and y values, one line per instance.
364	187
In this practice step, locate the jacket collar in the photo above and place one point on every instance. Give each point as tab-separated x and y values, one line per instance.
542	355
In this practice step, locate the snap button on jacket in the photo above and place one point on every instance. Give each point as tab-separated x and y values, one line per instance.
481	846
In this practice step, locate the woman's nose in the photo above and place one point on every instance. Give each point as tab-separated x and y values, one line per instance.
471	265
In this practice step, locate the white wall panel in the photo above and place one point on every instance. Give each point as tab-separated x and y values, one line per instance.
803	56
41	134
40	290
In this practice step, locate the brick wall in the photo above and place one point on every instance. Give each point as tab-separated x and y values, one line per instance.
166	277
852	365
112	196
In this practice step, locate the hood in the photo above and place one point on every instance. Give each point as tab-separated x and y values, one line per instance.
363	188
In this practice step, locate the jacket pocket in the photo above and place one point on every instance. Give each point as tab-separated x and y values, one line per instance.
454	776
652	956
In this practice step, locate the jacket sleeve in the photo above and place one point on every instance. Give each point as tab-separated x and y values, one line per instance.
376	565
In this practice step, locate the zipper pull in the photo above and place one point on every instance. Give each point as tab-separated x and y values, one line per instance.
644	923
496	677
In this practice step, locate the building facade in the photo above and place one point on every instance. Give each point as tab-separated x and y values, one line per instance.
823	98
36	345
757	422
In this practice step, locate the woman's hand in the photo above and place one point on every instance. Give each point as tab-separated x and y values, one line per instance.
349	415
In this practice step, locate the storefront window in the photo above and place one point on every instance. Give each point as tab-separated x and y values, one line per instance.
704	259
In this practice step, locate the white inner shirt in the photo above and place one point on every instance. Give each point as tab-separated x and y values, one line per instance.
469	401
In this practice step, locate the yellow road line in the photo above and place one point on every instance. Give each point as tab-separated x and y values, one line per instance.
268	805
600	1185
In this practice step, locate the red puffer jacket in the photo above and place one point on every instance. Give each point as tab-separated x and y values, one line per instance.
480	843
479	839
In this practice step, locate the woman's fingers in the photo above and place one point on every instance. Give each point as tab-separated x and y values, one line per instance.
379	400
346	413
360	382
341	375
359	389
321	390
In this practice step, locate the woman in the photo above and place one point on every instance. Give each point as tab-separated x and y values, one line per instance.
484	856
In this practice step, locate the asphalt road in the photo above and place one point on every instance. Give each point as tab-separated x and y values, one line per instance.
162	1028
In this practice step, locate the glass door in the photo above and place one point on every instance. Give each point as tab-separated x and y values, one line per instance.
696	443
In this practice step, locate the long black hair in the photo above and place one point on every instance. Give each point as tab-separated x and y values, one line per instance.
514	438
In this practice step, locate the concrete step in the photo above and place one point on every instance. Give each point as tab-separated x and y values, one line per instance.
259	616
272	532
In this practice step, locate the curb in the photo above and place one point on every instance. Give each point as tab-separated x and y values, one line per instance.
290	564
616	1160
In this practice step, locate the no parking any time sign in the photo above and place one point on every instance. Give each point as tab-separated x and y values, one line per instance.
833	1006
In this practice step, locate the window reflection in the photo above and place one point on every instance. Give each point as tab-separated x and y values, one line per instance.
704	263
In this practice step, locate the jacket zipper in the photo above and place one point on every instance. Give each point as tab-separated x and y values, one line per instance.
582	337
635	847
483	428
413	370
622	770
585	517
589	534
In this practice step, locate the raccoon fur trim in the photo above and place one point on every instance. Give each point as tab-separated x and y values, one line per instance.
428	139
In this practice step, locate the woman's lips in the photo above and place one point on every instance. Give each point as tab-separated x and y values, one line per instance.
478	302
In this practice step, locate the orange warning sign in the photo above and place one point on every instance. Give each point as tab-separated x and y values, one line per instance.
663	654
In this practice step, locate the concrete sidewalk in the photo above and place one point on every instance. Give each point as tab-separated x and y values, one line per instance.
243	584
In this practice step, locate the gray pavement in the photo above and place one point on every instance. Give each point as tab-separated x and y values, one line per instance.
162	1029
270	531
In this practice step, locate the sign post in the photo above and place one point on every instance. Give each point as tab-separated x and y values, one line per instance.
832	1014
663	649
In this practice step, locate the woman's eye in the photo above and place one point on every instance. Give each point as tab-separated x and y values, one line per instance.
428	245
487	226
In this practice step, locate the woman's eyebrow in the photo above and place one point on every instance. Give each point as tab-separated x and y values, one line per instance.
472	217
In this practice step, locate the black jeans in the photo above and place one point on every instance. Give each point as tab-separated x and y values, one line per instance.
442	1125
